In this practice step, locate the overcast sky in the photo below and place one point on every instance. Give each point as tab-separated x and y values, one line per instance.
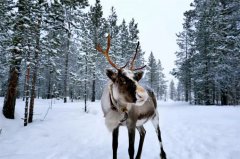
158	22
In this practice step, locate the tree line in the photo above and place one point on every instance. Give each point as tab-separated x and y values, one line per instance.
49	50
208	59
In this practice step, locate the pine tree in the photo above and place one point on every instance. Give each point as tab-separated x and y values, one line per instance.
185	41
70	7
95	16
18	43
7	17
53	46
84	59
172	90
37	29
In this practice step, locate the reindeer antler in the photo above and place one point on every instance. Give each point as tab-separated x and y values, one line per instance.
133	59
106	52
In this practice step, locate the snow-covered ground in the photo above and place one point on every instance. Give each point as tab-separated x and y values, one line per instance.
188	132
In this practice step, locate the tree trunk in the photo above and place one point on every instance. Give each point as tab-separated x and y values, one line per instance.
36	61
186	94
65	78
85	95
10	98
190	91
33	94
49	85
85	84
71	93
39	90
26	94
66	64
207	93
24	89
224	98
93	86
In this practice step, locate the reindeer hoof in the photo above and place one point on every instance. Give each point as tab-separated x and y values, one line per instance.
163	155
138	157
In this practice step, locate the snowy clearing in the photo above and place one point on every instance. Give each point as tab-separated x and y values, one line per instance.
188	132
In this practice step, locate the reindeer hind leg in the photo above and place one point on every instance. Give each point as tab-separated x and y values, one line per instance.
155	122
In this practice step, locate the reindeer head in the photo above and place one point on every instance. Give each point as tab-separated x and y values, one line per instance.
125	80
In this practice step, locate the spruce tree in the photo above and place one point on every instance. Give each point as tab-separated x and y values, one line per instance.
180	92
162	82
152	73
124	42
172	90
114	31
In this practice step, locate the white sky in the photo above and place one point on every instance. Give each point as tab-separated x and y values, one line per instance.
158	22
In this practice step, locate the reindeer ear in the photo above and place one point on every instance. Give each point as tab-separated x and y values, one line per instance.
112	75
138	75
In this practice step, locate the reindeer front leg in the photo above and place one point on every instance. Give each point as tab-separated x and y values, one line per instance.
142	133
131	137
115	142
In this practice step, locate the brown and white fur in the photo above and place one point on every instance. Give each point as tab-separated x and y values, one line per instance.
123	94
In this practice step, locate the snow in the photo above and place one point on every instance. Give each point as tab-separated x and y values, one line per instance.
188	132
50	2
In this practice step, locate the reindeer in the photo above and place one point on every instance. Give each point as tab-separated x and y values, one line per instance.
126	103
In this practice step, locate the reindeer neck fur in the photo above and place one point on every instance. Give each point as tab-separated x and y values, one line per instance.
138	113
144	106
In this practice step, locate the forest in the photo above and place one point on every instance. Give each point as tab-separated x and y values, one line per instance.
208	59
48	50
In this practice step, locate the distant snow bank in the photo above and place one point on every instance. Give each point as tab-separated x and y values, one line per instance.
188	132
